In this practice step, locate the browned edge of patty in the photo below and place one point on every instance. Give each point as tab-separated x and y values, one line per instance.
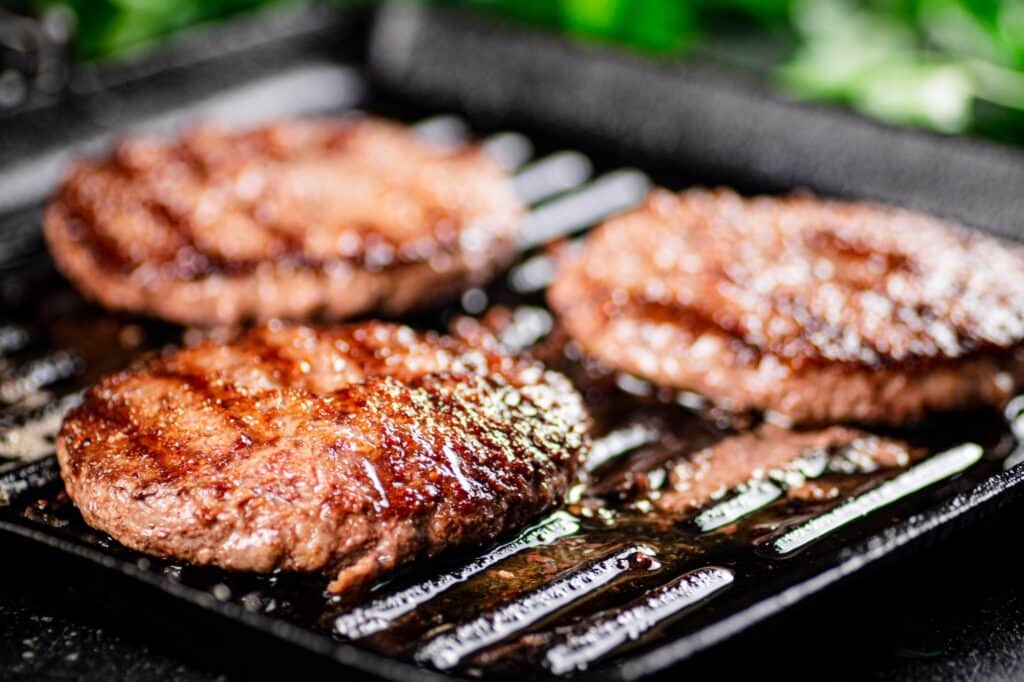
219	227
611	298
348	450
737	461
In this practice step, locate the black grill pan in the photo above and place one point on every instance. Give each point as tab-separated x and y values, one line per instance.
571	596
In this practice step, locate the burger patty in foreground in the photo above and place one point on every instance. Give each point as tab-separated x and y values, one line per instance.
817	310
301	218
348	451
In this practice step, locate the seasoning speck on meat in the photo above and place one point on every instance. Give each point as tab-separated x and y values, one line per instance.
290	220
820	311
348	450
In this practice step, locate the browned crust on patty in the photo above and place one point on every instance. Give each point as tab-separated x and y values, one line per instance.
818	310
293	219
350	450
713	472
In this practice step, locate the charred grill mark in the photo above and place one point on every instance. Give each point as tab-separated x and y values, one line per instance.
796	353
97	419
192	263
858	253
238	410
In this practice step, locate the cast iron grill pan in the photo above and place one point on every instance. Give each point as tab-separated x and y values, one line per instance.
620	595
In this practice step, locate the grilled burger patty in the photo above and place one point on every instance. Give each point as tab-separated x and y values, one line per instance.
348	450
818	310
293	219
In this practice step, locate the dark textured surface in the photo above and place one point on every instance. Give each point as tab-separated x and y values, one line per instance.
50	631
954	613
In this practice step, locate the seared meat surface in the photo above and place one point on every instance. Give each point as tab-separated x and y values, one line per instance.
294	219
820	311
773	452
348	450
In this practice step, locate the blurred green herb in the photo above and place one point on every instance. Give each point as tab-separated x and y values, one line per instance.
950	65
